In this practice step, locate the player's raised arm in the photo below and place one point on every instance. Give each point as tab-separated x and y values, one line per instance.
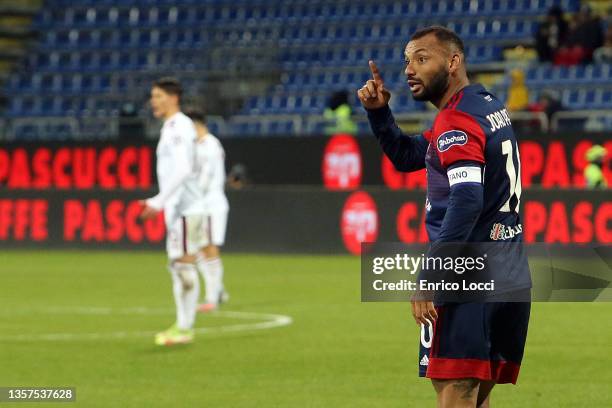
407	153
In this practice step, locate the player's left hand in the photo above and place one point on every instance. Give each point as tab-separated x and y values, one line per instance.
424	312
147	211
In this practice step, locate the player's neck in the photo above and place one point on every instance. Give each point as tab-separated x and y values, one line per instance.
202	132
452	90
170	113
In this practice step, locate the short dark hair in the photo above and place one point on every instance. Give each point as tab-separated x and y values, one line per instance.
169	85
195	114
443	34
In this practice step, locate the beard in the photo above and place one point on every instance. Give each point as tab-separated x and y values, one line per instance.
436	87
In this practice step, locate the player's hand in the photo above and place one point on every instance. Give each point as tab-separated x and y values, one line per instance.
424	312
147	212
373	94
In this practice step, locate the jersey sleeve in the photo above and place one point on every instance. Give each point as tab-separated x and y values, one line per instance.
407	153
458	137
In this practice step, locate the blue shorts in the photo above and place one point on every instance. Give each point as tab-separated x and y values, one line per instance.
475	340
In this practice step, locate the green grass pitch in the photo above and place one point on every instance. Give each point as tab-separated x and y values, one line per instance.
338	352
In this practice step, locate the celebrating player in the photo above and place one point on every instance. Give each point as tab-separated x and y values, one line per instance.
181	200
211	179
474	345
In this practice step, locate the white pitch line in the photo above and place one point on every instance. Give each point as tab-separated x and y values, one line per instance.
270	321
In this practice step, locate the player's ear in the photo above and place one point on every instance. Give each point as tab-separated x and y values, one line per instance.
455	62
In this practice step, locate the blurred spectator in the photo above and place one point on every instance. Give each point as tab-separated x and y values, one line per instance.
518	94
593	173
237	176
338	114
603	54
584	36
571	55
551	34
546	103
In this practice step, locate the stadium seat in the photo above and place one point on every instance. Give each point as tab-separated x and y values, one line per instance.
92	50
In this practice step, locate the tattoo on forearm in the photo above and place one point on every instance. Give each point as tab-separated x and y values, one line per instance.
466	387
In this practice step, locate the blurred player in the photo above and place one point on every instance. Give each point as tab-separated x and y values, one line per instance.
211	179
181	200
473	346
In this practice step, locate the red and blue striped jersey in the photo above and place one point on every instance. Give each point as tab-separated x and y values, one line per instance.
472	141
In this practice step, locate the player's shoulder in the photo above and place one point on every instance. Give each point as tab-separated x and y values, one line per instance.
178	122
459	124
452	118
183	121
210	144
468	109
179	129
476	101
214	141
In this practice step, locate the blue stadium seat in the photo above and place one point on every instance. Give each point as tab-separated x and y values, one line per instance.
82	59
573	99
606	99
279	127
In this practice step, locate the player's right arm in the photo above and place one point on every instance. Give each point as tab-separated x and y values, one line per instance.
407	153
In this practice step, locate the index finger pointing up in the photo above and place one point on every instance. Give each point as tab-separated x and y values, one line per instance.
375	73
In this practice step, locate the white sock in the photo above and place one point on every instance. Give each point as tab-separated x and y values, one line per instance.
186	289
212	272
220	269
202	268
215	266
177	290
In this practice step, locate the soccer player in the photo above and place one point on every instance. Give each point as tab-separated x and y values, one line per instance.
181	200
211	179
472	345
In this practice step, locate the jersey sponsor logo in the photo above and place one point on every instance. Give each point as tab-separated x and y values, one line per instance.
359	221
501	232
451	138
464	174
342	163
499	119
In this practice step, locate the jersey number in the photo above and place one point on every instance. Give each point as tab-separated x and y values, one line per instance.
513	175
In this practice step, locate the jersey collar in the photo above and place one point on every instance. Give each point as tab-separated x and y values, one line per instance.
469	89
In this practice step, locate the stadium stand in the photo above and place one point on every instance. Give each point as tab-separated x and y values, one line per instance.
275	62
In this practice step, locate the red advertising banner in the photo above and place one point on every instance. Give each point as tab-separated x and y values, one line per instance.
86	195
284	220
80	168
